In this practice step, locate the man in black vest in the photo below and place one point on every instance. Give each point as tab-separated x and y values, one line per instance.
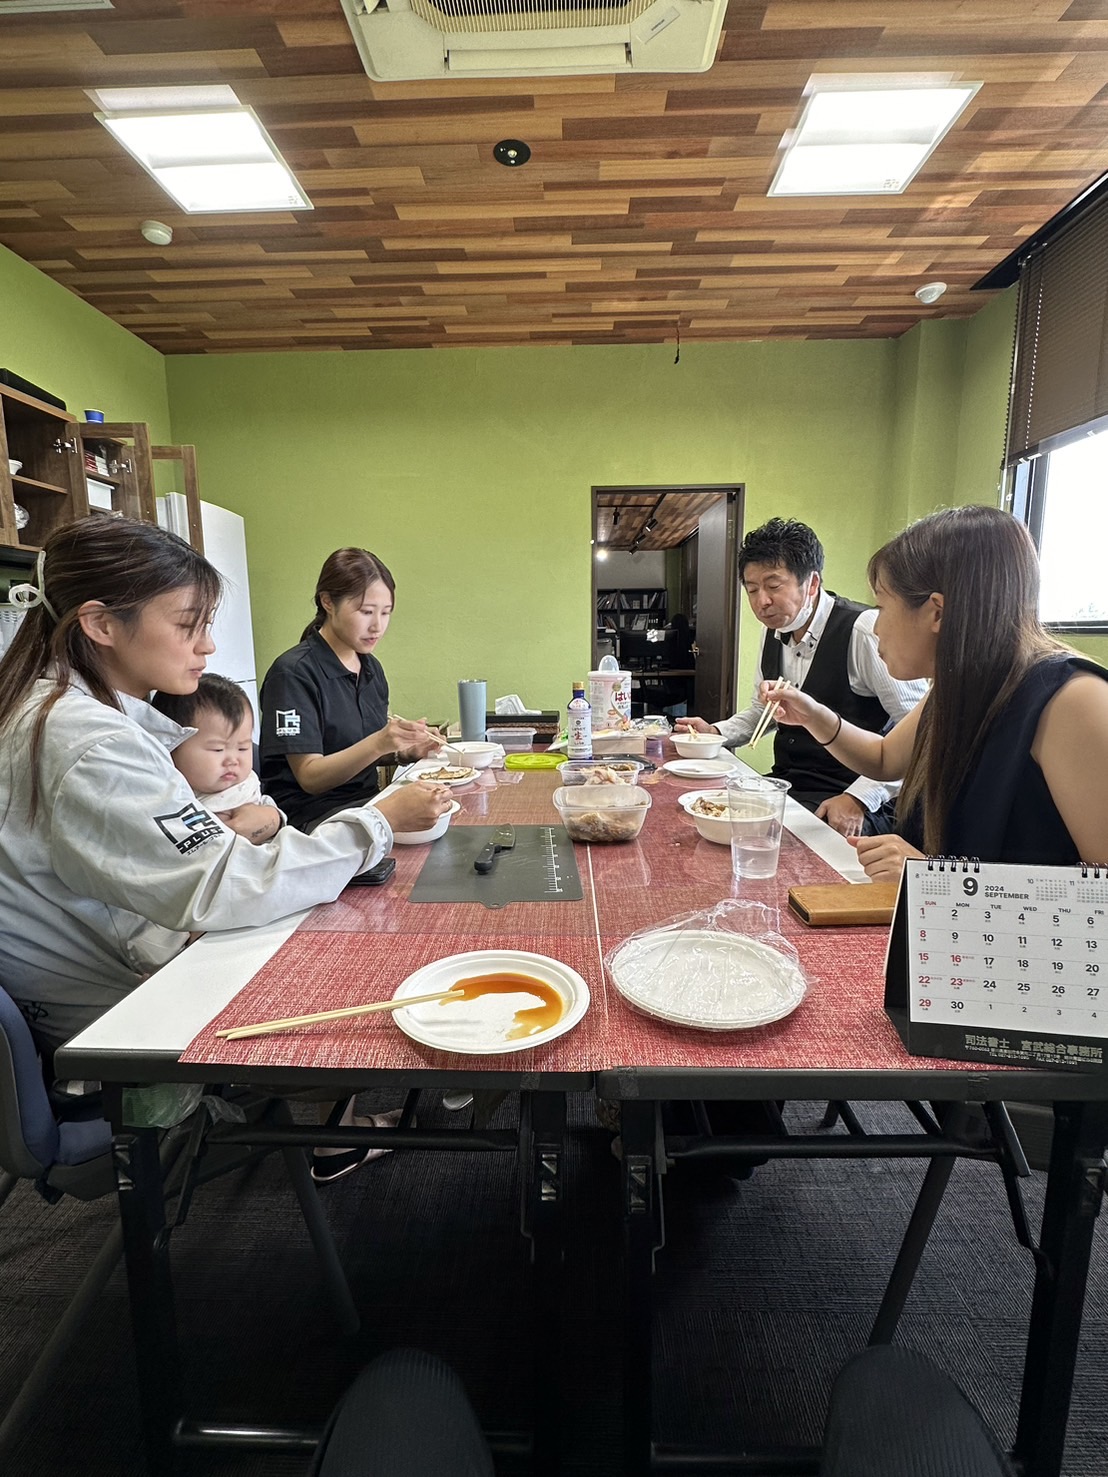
825	645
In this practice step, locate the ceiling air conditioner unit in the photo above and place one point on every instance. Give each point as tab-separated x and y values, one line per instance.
401	40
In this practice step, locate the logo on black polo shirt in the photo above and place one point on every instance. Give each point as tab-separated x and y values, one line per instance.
188	827
288	723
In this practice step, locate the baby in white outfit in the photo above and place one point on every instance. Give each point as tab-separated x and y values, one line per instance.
218	759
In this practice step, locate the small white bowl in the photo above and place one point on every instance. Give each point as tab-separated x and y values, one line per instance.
711	827
698	745
474	752
13	467
417	838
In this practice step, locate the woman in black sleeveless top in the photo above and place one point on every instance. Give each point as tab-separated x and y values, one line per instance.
1006	758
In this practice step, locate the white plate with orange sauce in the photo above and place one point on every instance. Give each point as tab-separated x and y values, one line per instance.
498	1018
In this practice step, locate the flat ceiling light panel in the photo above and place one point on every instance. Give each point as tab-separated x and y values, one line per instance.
866	140
209	161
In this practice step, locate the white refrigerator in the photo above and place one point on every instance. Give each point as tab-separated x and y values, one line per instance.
225	547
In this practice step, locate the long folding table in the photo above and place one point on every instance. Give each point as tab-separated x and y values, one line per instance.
837	1045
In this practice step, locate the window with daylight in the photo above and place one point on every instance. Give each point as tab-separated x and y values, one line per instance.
1057	451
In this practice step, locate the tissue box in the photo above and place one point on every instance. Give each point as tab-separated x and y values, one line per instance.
547	724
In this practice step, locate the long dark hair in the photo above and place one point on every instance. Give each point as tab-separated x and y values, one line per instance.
118	561
346	575
983	563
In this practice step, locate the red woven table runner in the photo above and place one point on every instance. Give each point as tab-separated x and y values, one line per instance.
363	946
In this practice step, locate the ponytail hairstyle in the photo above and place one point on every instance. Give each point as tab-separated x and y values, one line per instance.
984	564
122	563
346	575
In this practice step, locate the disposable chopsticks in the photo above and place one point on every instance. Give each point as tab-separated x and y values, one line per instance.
769	712
290	1022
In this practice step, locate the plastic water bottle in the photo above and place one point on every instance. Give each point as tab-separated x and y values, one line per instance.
579	724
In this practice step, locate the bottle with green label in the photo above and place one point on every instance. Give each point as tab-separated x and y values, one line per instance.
579	724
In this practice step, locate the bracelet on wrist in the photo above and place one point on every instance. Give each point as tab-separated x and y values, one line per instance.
824	743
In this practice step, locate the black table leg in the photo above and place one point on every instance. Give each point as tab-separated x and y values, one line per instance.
138	1173
1074	1191
544	1218
641	1211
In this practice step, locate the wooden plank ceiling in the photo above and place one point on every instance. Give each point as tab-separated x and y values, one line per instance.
650	519
643	208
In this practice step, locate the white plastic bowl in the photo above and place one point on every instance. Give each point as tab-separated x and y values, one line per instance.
697	745
418	838
474	752
13	466
712	828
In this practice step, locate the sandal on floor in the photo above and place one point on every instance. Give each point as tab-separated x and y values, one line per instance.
326	1168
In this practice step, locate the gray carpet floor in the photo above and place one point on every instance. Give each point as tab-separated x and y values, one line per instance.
764	1288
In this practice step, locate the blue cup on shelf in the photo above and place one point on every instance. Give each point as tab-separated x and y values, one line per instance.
95	415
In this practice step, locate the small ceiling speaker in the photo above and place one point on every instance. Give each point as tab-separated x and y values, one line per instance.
156	232
931	292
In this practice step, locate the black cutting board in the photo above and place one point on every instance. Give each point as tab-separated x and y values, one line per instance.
540	868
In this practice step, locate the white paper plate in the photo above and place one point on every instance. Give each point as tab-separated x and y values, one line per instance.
419	838
701	769
480	1027
707	979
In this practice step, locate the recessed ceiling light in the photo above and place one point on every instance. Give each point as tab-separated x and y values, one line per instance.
511	152
214	160
866	136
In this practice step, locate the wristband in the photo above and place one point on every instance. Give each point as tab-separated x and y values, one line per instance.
825	743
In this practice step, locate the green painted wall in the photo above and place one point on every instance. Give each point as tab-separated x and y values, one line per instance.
470	473
58	342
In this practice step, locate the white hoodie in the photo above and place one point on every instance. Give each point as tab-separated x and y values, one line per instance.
121	862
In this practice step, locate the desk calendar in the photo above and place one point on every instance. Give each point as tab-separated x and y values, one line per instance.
997	963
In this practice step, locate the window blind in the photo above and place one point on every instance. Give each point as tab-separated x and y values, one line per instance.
1060	376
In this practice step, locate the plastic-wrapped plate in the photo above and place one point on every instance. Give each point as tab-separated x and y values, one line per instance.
712	980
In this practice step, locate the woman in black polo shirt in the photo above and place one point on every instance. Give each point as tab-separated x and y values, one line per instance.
325	703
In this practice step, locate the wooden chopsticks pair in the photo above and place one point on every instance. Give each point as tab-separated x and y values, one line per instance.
769	712
291	1022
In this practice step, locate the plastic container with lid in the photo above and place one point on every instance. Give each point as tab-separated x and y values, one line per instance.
600	771
511	740
596	814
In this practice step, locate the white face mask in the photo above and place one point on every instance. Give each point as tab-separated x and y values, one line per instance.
803	615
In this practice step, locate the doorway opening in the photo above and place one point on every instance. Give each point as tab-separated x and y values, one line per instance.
665	593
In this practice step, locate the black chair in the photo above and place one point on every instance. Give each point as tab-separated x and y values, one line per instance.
894	1414
406	1415
64	1148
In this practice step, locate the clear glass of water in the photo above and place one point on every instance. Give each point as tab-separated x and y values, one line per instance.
756	809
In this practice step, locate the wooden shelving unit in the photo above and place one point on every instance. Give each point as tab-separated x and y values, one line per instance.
49	485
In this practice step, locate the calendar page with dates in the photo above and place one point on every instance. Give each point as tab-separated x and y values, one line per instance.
999	963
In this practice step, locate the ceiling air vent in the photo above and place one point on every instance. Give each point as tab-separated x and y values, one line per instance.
41	7
400	40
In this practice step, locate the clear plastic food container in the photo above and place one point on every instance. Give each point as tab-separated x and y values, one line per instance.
600	771
512	740
600	813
